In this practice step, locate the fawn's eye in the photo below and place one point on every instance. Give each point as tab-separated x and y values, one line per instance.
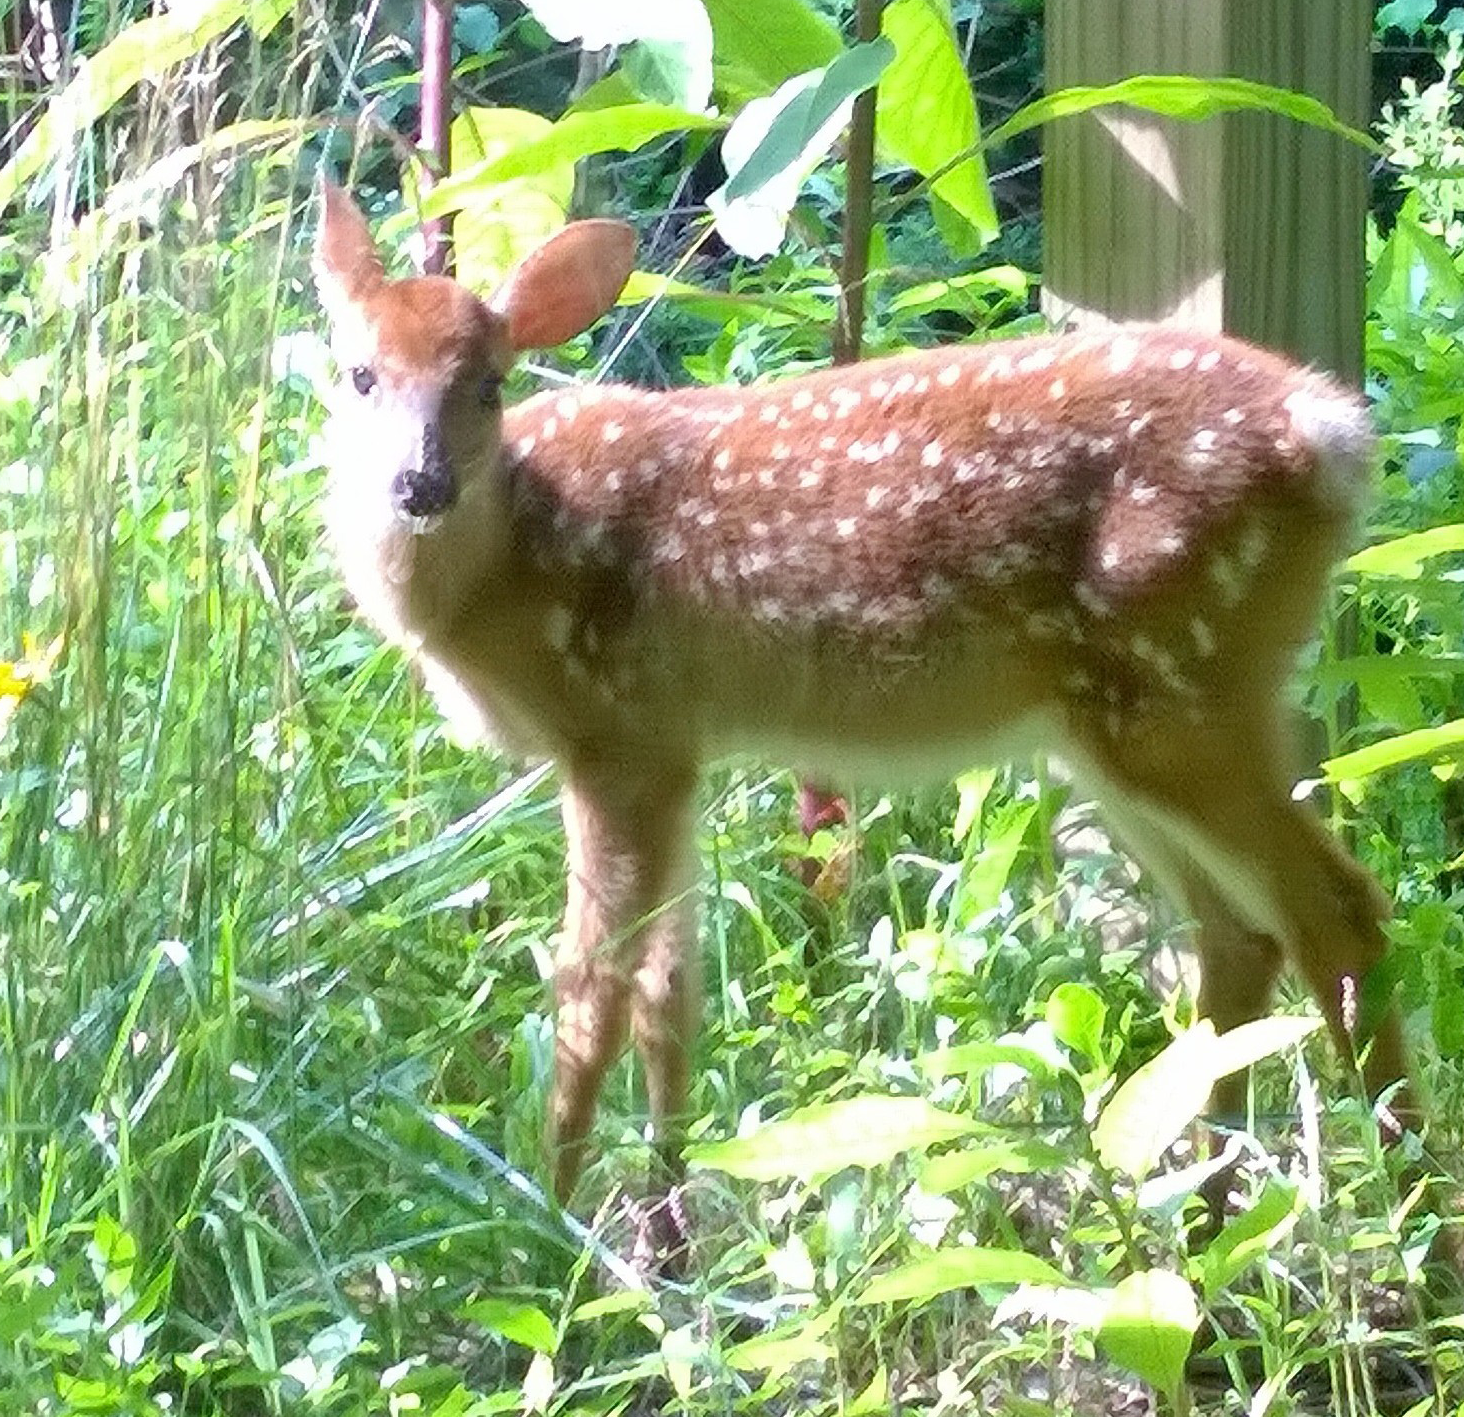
488	387
363	380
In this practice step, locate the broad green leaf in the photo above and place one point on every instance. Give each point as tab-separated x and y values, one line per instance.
1180	96
113	1253
953	1170
962	292
753	225
677	32
1249	1236
791	139
1248	1043
144	51
979	1057
506	220
815	1142
972	790
800	1341
927	116
1404	556
516	1321
992	868
1146	1115
720	305
1077	1015
760	44
621	1301
624	127
1148	1325
1406	15
1447	738
922	1280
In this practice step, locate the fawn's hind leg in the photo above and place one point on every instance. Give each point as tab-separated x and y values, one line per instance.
630	847
1218	796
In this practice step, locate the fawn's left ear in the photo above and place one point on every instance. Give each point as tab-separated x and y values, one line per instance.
346	264
565	285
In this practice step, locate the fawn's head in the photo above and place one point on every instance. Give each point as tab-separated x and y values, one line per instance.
422	359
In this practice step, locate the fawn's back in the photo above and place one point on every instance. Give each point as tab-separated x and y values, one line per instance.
893	569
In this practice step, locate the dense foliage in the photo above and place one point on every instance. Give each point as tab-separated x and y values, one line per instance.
273	949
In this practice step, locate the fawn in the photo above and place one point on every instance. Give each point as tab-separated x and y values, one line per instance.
1108	546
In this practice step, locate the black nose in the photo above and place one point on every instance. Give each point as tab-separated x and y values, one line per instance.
417	493
430	489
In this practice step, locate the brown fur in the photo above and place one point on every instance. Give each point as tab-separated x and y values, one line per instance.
1109	547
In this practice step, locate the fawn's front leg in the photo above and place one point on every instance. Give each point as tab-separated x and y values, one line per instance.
628	950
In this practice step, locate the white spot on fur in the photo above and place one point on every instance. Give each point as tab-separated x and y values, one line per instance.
1057	389
1037	361
1206	439
993	419
1142	492
948	376
930	454
879	388
567	407
828	443
1122	353
1139	424
802	399
1203	636
548	429
612	432
1208	360
613	480
769	413
809	479
723	460
781	451
767	478
558	626
904	384
1181	359
524	446
1000	366
1111	557
875	496
1233	416
847	526
891	443
821	412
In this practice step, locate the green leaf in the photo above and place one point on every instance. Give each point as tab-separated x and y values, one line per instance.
760	43
1404	556
1250	1235
1447	738
547	151
1181	96
113	1253
962	293
1248	1043
502	220
815	1142
515	1321
144	51
972	789
927	116
991	870
921	1280
1146	1115
1077	1015
796	127
954	1170
1149	1323
1406	15
979	1057
775	1352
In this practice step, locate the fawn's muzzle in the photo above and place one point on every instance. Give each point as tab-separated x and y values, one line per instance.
429	488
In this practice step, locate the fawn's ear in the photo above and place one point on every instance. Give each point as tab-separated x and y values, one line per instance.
566	284
346	265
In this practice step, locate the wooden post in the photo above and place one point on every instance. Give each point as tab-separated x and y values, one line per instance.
1250	223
